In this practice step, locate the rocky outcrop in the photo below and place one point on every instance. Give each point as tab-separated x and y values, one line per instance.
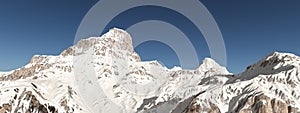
34	105
25	72
250	104
263	104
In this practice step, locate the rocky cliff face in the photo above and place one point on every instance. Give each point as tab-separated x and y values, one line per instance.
64	83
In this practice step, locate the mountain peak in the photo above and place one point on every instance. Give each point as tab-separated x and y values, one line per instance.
208	64
118	34
275	59
117	30
209	61
114	39
273	63
283	56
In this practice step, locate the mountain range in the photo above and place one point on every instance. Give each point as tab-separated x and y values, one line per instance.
105	75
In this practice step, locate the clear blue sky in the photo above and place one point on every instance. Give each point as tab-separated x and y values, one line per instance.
251	30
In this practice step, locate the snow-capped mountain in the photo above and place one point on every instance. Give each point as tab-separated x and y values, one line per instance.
268	86
104	74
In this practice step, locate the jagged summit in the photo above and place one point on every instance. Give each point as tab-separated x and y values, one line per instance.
209	64
277	58
274	62
280	54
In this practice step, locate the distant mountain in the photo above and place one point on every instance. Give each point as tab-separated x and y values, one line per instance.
63	84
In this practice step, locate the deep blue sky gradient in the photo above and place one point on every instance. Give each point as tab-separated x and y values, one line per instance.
251	30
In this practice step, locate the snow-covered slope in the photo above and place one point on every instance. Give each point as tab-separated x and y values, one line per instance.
270	85
109	66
